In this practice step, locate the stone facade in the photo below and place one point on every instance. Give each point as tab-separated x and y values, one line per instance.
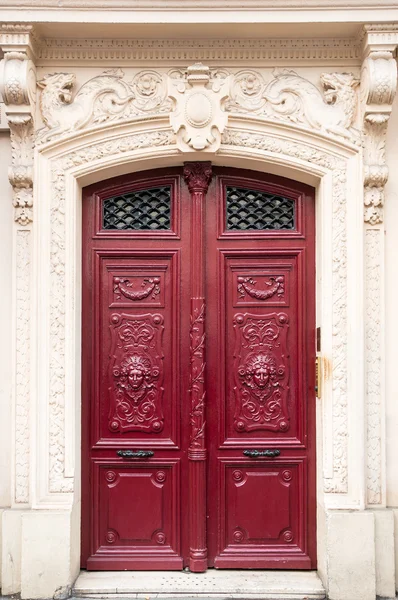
77	110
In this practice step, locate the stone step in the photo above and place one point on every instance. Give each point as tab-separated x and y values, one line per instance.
212	585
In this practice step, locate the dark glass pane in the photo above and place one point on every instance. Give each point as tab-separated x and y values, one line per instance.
142	210
250	209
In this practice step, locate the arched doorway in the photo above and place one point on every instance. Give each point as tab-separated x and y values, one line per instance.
198	428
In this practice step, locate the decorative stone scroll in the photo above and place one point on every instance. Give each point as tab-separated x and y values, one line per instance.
199	101
378	83
105	98
18	88
291	98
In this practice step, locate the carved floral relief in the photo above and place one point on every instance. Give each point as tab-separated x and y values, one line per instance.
136	373
125	288
261	372
272	287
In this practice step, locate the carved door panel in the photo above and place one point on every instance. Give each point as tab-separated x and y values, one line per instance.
135	371
260	356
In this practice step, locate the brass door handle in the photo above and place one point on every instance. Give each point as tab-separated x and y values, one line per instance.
135	453
260	453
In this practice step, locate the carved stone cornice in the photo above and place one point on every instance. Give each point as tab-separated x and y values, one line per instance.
209	51
378	87
18	88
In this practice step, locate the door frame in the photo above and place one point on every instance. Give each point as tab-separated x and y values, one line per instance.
63	167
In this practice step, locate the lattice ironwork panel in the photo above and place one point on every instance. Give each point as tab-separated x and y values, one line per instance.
148	209
250	209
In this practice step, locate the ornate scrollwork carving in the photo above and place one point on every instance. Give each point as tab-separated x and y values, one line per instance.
378	83
198	393
260	372
18	88
105	98
290	97
136	373
199	100
124	287
275	286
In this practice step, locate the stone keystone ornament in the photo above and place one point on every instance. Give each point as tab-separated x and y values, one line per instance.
198	118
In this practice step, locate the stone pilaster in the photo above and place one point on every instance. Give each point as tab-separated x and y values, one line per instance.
378	87
18	88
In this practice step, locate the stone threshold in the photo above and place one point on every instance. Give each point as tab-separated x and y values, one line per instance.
212	585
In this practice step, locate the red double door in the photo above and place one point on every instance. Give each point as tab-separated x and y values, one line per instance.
198	415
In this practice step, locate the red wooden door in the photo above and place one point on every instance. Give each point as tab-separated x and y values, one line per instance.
260	377
198	348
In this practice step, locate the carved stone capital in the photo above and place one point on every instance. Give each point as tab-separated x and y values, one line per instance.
197	176
18	88
378	87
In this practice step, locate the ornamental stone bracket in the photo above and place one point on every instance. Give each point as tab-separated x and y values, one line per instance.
18	88
378	87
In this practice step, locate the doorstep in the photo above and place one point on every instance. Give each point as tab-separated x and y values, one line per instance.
213	585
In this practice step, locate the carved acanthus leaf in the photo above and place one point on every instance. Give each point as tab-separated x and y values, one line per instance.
18	88
378	83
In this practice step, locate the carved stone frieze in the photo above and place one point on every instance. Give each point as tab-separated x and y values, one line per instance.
105	98
291	98
199	101
378	83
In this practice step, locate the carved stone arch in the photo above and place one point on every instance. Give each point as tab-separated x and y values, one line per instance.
64	166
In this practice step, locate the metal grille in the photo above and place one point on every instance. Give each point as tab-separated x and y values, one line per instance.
139	210
250	209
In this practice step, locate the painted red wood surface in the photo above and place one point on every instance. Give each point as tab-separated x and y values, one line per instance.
199	346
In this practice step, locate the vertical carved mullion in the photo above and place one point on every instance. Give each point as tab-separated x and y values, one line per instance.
197	176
